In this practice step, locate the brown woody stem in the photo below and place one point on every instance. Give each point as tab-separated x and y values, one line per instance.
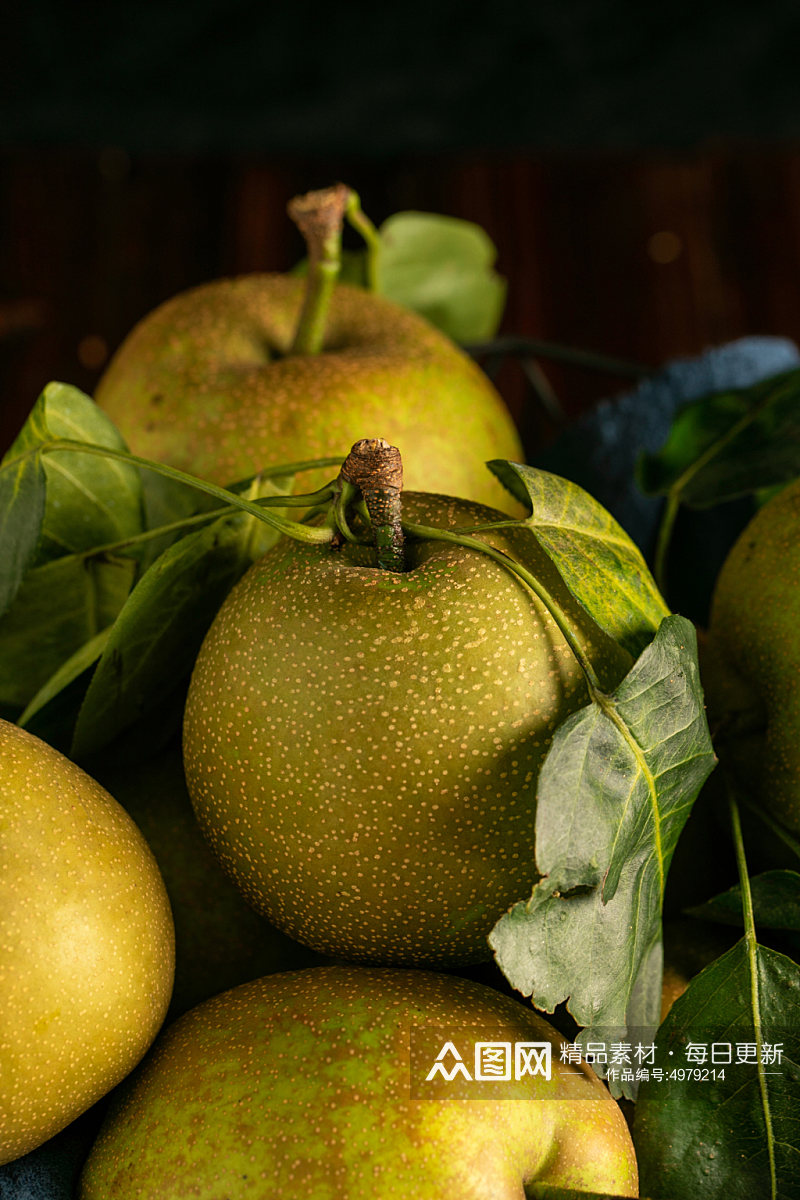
319	216
376	469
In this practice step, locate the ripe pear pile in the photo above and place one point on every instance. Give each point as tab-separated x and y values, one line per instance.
361	748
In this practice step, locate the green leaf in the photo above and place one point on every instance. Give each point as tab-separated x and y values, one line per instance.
61	605
22	504
707	1138
70	670
158	633
618	591
91	501
442	268
644	1006
166	503
54	506
729	445
614	793
776	902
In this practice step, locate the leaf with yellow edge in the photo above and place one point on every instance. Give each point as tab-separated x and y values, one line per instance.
597	560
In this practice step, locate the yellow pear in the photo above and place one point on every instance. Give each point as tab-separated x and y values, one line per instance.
362	747
207	383
86	942
316	1084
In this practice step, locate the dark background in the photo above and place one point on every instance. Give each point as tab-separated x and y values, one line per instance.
638	167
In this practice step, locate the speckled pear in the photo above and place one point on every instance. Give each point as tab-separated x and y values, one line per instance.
313	1084
219	940
362	747
206	383
752	661
86	943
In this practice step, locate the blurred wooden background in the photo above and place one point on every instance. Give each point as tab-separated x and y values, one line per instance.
643	256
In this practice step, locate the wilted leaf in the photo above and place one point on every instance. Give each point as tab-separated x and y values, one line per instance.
776	902
60	606
614	793
596	559
729	444
737	1137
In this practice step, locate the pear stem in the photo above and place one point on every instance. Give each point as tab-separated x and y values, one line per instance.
376	469
319	216
359	221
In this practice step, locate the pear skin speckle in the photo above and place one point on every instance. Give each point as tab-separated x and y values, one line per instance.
86	943
219	940
200	383
362	747
301	1085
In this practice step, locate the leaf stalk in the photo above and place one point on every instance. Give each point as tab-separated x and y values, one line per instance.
555	610
751	942
300	532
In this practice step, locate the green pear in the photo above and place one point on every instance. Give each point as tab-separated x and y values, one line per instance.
314	1084
87	945
207	383
362	747
751	664
219	940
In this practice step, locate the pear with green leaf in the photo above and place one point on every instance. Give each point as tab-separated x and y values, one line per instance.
363	736
239	374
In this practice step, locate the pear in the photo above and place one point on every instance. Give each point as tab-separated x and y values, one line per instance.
751	664
207	383
219	940
314	1083
362	747
87	945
